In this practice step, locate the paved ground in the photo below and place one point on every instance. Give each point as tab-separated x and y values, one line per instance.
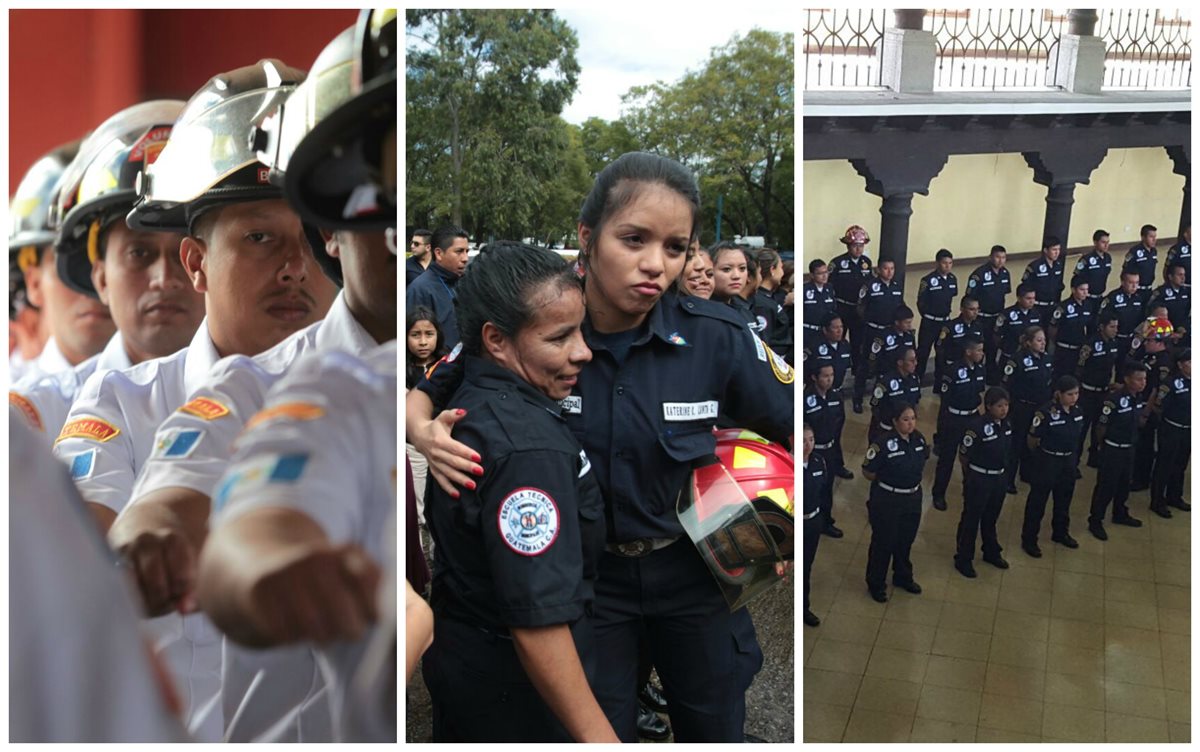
770	702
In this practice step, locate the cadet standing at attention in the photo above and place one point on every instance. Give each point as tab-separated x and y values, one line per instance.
1053	438
983	452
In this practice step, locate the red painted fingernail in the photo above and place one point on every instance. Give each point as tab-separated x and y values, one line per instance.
475	457
456	494
460	412
471	485
477	470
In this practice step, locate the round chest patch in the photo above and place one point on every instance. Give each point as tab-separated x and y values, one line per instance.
528	521
988	429
968	439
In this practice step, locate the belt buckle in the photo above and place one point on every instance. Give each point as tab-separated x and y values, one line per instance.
638	547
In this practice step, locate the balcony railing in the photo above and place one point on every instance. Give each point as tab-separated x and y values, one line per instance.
990	49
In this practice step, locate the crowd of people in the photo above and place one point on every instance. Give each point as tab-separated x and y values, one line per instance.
203	413
1071	370
558	413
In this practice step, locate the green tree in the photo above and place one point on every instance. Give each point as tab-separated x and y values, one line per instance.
485	143
733	122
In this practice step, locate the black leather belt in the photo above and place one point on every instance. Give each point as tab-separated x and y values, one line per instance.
985	471
893	489
638	548
1065	346
1057	454
942	319
956	411
1118	446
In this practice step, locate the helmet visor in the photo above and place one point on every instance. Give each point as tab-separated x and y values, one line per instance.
216	144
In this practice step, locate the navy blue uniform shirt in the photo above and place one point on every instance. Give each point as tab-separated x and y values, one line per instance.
1128	309
1028	376
1175	400
646	421
897	461
878	301
1046	279
1097	361
962	386
1141	261
1011	325
818	303
1095	268
837	353
936	294
989	287
1120	416
1056	428
1182	253
1072	321
522	549
985	442
847	275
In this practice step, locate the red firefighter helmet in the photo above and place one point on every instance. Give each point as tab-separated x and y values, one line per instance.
855	235
1159	328
739	513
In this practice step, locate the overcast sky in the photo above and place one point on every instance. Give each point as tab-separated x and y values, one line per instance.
617	51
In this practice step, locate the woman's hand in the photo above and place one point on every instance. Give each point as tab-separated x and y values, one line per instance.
451	463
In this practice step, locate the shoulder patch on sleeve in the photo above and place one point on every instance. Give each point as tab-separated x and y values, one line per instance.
83	464
528	521
88	428
203	407
292	410
27	409
784	373
177	443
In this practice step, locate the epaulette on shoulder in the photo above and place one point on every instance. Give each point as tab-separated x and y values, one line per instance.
709	309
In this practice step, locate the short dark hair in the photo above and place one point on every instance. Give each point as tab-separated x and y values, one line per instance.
967	299
443	237
499	286
1066	383
1079	280
886	260
421	232
1145	229
620	182
815	264
1099	234
830	317
1050	242
1107	316
902	353
995	394
998	249
1024	289
943	253
902	312
1132	367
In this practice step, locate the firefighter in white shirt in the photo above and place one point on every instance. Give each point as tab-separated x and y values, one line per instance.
76	326
171	499
245	250
304	516
138	275
79	669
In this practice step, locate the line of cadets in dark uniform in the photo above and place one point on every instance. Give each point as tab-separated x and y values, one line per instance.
1039	410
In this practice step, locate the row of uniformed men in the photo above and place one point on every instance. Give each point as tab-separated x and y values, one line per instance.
257	198
866	305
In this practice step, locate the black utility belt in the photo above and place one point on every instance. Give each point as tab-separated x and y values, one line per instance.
635	549
1066	346
986	315
846	302
956	411
1118	446
1057	454
942	319
1091	388
873	325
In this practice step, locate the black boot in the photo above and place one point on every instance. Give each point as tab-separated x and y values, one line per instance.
650	726
653	697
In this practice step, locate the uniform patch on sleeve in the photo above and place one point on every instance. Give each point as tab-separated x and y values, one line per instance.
88	428
528	521
203	407
261	471
82	465
783	372
27	409
177	443
290	410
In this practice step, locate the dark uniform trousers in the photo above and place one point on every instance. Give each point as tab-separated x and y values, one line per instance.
1112	482
1090	404
983	499
827	496
836	459
1051	475
950	430
812	536
895	519
493	698
706	656
1174	450
1066	357
1021	416
1145	457
991	348
926	337
855	327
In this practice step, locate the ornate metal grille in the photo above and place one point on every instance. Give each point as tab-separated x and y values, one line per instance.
1146	48
994	48
842	48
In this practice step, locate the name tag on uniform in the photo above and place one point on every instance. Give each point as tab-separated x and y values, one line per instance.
572	404
675	411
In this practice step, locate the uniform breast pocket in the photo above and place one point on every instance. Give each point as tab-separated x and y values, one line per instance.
687	443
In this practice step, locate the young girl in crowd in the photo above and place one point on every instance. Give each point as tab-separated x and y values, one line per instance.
425	345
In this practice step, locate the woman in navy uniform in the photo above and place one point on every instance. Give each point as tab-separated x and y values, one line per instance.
663	368
894	465
816	485
517	554
1173	403
983	452
834	349
1053	440
823	413
899	384
1027	377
